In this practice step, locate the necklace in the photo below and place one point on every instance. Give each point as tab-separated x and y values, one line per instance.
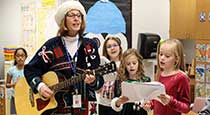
168	73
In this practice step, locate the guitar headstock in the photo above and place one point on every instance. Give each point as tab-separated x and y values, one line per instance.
106	68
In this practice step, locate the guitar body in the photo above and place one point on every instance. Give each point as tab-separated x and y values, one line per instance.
34	104
29	103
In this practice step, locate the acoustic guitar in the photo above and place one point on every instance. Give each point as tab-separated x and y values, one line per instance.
34	104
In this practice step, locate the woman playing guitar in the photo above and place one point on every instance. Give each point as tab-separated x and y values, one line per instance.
67	54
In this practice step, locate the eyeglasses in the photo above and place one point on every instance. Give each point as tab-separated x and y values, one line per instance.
112	45
74	15
20	56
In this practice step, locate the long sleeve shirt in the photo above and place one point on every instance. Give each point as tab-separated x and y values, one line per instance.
178	87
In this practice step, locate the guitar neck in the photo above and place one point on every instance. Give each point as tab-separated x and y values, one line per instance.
67	83
101	70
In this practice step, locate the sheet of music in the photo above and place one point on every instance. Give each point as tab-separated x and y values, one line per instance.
138	91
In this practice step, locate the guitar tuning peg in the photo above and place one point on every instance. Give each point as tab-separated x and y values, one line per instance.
138	108
134	107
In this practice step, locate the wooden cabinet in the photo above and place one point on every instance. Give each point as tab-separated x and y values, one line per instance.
202	28
185	19
182	14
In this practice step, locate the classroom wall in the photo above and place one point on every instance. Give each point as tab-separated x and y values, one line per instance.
10	30
147	16
150	16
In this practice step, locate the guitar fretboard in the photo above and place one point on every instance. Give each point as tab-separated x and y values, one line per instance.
101	70
75	79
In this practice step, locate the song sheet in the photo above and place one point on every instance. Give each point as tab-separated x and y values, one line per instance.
138	91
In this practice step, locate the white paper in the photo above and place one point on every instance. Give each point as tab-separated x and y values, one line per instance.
137	91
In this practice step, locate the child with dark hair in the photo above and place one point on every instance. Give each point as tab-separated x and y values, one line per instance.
15	72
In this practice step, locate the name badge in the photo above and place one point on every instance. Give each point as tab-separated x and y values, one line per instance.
77	103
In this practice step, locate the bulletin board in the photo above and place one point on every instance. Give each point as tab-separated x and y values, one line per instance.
202	68
124	7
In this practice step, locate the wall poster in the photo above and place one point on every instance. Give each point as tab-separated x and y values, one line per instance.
109	17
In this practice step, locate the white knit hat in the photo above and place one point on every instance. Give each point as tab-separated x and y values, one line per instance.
67	6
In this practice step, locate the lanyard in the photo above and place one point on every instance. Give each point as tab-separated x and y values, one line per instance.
72	61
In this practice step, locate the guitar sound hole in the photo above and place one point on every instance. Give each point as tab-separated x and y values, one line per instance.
41	104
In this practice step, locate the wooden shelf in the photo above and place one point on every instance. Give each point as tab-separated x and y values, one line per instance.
192	87
2	101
